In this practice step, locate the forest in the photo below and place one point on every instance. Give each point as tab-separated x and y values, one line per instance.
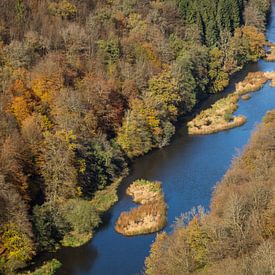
237	235
86	86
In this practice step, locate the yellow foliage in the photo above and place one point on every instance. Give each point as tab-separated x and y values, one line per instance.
17	244
68	137
20	108
150	53
64	8
45	87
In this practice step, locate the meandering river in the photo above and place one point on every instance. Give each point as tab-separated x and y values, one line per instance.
189	168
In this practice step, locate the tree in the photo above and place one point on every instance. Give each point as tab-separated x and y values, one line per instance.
81	215
50	226
219	78
17	245
56	163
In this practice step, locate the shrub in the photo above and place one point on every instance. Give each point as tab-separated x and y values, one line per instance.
50	226
48	268
81	215
64	9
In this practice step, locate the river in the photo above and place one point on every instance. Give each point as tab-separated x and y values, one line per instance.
189	168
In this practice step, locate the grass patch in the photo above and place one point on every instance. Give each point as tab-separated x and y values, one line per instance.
48	268
147	218
103	200
75	239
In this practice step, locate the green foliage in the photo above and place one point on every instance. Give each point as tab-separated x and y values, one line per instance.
81	215
48	268
50	226
135	136
219	78
20	11
100	163
110	50
191	69
165	92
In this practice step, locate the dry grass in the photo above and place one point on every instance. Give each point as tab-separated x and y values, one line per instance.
252	83
144	191
246	97
271	76
237	236
217	118
220	116
147	218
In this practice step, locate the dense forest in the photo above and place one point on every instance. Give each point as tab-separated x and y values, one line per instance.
237	236
87	85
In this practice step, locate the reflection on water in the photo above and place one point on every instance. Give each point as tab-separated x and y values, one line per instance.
188	169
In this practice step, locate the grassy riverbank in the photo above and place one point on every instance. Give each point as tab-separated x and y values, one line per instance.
150	216
48	268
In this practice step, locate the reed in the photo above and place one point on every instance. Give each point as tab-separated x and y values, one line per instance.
147	218
252	83
270	76
246	97
217	118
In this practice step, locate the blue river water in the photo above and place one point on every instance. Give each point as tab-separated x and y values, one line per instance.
188	168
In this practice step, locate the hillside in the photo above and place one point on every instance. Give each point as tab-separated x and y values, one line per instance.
85	87
237	235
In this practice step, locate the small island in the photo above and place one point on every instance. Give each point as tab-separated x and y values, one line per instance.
147	218
219	116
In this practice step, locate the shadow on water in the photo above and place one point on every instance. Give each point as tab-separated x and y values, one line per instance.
188	168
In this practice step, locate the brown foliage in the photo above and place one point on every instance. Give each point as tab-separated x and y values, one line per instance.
237	236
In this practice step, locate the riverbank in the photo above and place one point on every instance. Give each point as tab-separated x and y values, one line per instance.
237	235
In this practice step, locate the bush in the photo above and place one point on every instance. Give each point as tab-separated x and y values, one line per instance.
81	215
50	226
48	268
17	247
